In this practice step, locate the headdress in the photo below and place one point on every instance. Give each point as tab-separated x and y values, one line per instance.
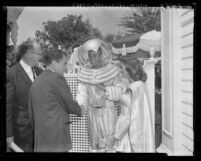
95	76
94	45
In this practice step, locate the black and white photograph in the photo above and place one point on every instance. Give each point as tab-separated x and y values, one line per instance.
100	79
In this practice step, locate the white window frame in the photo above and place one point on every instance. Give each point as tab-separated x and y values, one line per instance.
171	98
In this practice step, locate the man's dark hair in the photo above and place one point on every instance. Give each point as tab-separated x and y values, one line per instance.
23	48
52	54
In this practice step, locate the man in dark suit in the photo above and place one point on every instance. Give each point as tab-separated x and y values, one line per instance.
49	105
19	79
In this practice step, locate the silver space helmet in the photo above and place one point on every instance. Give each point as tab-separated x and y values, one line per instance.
94	45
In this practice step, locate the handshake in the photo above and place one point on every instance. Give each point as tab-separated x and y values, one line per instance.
112	93
83	106
83	109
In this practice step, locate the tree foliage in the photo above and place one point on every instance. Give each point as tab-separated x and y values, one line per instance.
141	20
109	38
70	31
10	56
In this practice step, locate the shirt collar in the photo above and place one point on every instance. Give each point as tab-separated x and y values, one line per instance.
50	69
26	67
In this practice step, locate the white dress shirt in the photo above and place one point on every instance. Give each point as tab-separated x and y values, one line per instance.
27	69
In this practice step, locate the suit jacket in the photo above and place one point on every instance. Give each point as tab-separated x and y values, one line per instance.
18	84
50	103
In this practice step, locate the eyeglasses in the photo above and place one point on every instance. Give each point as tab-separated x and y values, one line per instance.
40	54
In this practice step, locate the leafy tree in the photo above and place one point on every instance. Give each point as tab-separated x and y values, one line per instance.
70	31
119	35
109	37
141	20
10	56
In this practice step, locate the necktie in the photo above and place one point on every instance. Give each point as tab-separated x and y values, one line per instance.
34	76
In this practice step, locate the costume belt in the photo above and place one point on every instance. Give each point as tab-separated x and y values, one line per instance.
97	107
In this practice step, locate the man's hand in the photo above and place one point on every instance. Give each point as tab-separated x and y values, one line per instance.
9	140
83	110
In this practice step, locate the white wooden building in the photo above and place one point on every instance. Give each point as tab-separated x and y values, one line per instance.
177	81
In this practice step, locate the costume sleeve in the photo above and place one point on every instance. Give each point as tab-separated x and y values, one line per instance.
123	83
113	93
82	95
122	125
65	97
119	86
141	130
10	94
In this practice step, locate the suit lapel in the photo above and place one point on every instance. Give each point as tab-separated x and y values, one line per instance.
24	74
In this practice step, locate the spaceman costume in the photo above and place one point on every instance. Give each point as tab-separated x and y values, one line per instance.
92	93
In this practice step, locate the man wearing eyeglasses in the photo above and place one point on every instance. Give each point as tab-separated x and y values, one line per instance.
19	79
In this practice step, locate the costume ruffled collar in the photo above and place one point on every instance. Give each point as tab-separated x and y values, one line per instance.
101	75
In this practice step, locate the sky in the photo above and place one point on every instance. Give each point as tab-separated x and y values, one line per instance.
104	18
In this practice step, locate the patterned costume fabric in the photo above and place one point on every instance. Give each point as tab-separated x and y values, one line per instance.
101	112
92	93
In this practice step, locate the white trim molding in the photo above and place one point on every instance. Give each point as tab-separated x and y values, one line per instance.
171	82
163	149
